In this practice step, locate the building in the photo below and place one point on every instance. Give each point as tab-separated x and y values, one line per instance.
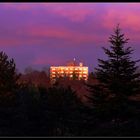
72	70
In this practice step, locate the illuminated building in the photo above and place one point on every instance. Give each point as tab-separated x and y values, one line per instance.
71	70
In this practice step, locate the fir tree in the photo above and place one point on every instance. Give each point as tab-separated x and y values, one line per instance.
118	73
8	75
117	77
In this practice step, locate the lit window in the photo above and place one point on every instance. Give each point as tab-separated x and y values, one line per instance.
84	72
85	69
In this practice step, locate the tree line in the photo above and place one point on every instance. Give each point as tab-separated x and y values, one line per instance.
29	110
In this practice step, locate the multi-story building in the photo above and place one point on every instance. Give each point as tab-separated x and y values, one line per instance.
71	70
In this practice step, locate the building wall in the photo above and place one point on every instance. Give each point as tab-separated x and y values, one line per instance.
80	72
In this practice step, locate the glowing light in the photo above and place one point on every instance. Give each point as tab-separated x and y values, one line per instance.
84	72
69	70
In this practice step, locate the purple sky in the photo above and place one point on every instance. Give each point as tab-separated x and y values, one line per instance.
42	34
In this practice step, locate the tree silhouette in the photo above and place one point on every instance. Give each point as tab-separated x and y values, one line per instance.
61	108
118	73
8	89
117	77
8	76
91	75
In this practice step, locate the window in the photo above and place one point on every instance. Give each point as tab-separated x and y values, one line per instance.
84	72
85	69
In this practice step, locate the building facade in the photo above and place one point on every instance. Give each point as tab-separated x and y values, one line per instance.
72	71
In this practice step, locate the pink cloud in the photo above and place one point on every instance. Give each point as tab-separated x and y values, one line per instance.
19	41
9	42
62	33
19	6
108	18
75	12
76	15
128	18
43	61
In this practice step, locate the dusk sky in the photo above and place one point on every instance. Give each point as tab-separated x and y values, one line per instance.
44	34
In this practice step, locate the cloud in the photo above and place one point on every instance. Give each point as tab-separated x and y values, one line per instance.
9	42
18	6
75	15
126	17
61	33
74	12
50	33
45	60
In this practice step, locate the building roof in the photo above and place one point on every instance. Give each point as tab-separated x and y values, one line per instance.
72	63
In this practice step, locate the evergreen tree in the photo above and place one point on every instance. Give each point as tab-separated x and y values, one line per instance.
118	73
8	88
62	111
8	75
117	76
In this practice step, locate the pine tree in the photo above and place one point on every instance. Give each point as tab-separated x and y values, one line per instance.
118	73
8	90
8	75
117	77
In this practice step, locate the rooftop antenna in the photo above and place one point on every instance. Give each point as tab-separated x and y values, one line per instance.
74	62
